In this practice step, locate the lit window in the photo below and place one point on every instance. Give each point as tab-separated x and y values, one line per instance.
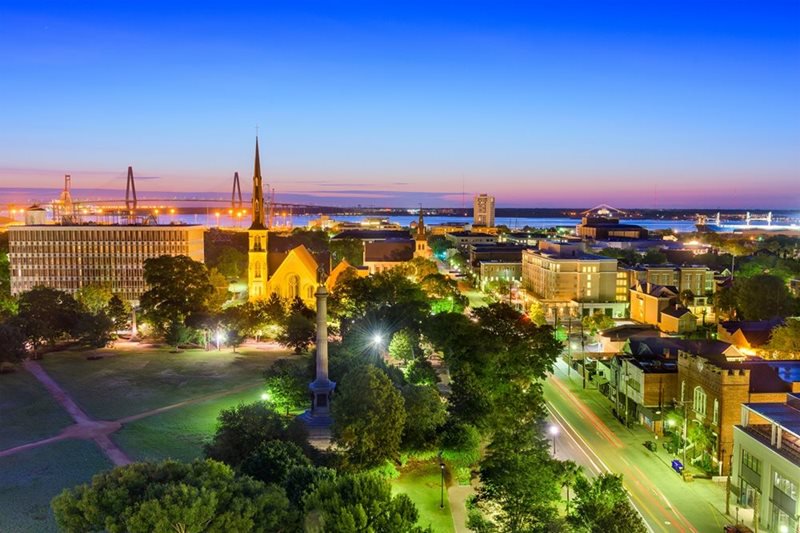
700	399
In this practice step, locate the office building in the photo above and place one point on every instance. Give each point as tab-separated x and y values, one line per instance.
69	257
483	211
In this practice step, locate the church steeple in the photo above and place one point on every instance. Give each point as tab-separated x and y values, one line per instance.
258	194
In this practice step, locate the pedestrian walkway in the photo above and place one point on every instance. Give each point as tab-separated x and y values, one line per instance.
99	431
457	496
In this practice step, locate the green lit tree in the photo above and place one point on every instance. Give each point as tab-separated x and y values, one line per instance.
604	505
786	338
286	383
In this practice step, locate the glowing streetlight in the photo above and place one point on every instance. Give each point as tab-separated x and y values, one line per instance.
265	396
377	339
553	431
220	338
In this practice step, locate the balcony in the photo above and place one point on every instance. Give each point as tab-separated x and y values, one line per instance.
790	447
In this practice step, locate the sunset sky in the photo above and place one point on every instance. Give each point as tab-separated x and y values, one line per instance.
543	104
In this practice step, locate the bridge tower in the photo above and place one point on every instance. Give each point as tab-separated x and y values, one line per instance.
237	188
65	207
130	192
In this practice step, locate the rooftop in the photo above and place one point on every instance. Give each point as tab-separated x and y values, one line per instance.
786	415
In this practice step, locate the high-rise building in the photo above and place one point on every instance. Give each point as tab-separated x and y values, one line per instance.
483	210
69	257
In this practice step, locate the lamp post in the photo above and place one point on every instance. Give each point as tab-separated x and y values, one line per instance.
441	487
553	430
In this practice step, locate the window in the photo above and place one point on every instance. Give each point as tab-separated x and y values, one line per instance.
785	485
751	462
293	287
700	400
715	418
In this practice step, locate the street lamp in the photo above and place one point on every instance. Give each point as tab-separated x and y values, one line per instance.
553	430
220	337
441	485
264	396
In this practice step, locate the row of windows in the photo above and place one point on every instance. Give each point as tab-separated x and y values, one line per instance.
149	234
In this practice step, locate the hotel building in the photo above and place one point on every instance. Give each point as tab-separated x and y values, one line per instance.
483	211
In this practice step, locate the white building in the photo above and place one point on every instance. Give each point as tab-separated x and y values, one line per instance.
766	463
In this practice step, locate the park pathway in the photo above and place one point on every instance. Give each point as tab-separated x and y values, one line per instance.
99	431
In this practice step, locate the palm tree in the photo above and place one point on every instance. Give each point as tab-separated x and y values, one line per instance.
569	472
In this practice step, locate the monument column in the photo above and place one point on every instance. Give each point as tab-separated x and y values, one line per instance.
321	388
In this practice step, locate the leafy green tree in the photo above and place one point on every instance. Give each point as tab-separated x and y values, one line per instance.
45	315
299	333
603	505
204	496
94	330
242	429
8	304
271	461
425	415
12	340
598	321
421	372
287	385
536	313
94	298
236	322
654	257
350	250
763	297
786	338
725	300
118	311
179	288
231	262
568	471
220	295
439	245
368	418
359	503
418	268
303	480
404	345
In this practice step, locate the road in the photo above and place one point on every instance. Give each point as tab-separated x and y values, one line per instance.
591	437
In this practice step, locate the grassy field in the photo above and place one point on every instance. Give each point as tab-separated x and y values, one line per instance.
422	483
27	412
29	480
126	383
179	433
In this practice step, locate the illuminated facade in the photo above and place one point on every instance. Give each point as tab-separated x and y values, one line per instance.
68	258
483	210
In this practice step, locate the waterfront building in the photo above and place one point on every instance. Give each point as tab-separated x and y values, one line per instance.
70	257
483	210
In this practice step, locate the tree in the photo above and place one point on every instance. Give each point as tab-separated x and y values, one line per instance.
303	480
272	460
404	345
425	415
569	471
418	268
45	315
299	333
359	502
368	418
536	313
237	323
94	330
12	341
763	297
602	505
173	497
94	298
242	429
439	245
784	338
220	294
118	311
287	385
350	250
179	288
231	263
654	257
687	297
598	321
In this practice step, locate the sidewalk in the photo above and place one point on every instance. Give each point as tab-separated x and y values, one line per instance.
714	493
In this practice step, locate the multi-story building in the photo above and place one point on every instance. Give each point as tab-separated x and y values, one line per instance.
464	239
380	256
567	280
713	388
766	463
69	257
659	306
699	280
483	210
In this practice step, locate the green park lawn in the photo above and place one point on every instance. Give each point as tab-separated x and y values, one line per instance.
422	483
179	433
28	413
30	479
126	383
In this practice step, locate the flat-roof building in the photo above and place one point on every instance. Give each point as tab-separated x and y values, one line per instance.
69	257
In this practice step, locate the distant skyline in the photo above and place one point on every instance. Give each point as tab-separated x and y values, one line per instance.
541	104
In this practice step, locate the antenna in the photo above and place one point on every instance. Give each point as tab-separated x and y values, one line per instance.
130	191
236	188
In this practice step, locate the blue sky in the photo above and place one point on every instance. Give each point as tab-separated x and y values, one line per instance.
667	104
